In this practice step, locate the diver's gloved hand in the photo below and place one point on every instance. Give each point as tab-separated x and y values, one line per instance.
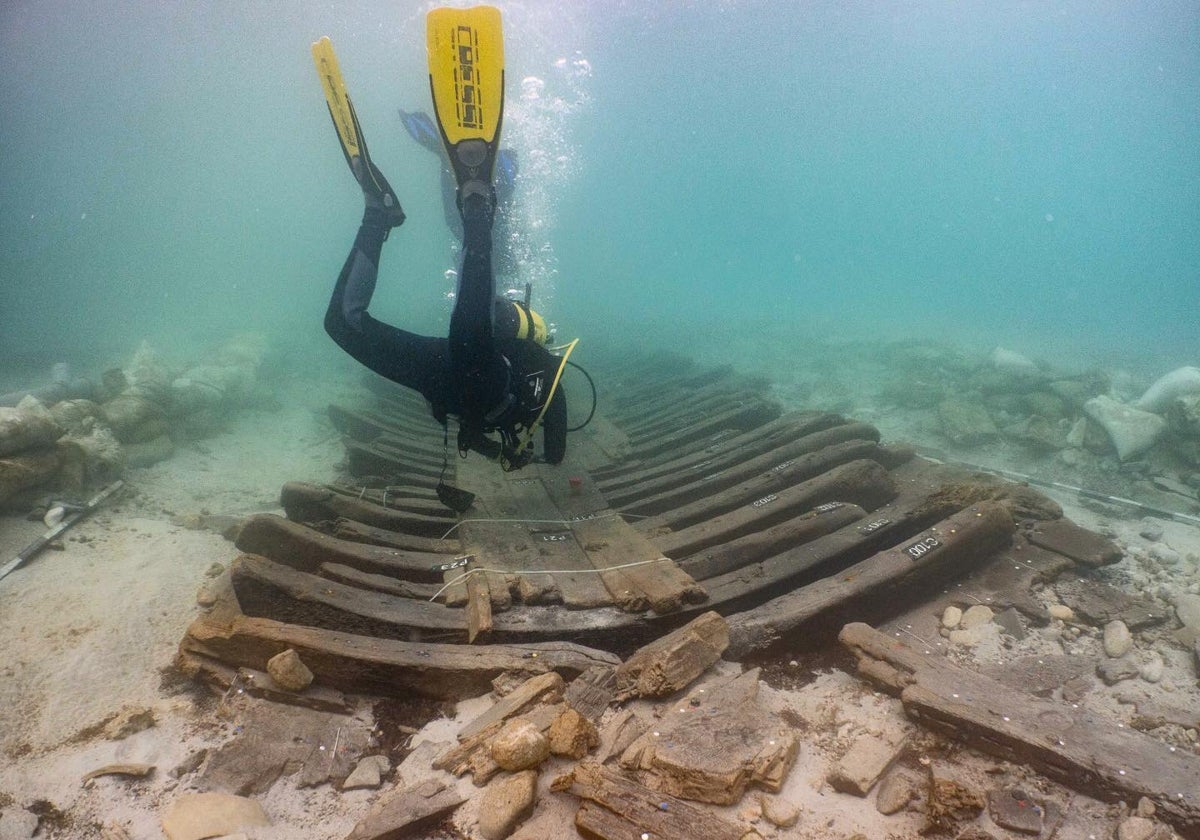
382	206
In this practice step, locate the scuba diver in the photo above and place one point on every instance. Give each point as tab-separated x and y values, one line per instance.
493	372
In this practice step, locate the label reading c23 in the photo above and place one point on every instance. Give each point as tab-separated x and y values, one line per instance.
765	500
922	547
554	537
454	564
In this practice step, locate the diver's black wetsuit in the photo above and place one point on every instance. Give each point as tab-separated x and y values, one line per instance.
471	374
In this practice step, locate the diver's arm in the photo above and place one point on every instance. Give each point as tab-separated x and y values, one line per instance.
406	358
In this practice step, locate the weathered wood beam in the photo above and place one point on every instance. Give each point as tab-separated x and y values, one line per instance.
952	547
729	515
1070	745
312	503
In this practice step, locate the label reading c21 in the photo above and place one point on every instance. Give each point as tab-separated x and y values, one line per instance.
922	547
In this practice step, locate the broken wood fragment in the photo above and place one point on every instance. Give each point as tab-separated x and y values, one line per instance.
407	812
1070	540
619	808
592	691
134	770
670	663
717	742
1069	745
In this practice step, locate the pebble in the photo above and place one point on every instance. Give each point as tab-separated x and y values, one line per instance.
1165	555
966	638
1117	639
288	672
17	824
895	792
214	570
1113	671
205	597
1187	607
1152	669
1062	612
367	774
1136	828
780	812
520	745
505	803
1145	807
1152	531
975	616
951	617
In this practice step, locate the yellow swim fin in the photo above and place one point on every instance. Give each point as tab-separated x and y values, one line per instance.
466	77
350	134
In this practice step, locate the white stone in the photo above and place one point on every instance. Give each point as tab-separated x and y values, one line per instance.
1165	555
1152	669
1136	828
976	616
1131	430
195	816
505	803
1179	382
967	638
951	617
779	811
1117	639
17	824
1062	612
1012	362
520	745
368	773
1187	607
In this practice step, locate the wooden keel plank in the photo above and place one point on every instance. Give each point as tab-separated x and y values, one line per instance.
364	664
1068	744
952	547
305	549
529	547
612	544
864	483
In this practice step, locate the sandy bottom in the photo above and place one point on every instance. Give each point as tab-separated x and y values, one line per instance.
91	630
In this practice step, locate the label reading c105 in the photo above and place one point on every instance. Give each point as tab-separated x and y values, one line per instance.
765	500
922	547
783	466
872	527
828	506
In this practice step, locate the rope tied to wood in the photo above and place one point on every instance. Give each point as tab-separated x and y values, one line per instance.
520	572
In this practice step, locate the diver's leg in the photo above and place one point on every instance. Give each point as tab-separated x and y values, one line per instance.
478	371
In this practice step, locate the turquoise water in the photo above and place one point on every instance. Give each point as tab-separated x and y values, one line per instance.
1016	173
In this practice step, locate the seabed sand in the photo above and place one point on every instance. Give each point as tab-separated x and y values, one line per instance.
91	630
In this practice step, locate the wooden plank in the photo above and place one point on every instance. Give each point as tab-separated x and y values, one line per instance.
759	476
1068	744
1068	539
311	503
369	665
747	444
379	583
406	813
374	459
306	549
953	546
354	531
611	543
735	419
759	545
539	541
624	809
592	692
864	483
479	606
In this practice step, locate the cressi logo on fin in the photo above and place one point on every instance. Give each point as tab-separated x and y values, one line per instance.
466	72
336	97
